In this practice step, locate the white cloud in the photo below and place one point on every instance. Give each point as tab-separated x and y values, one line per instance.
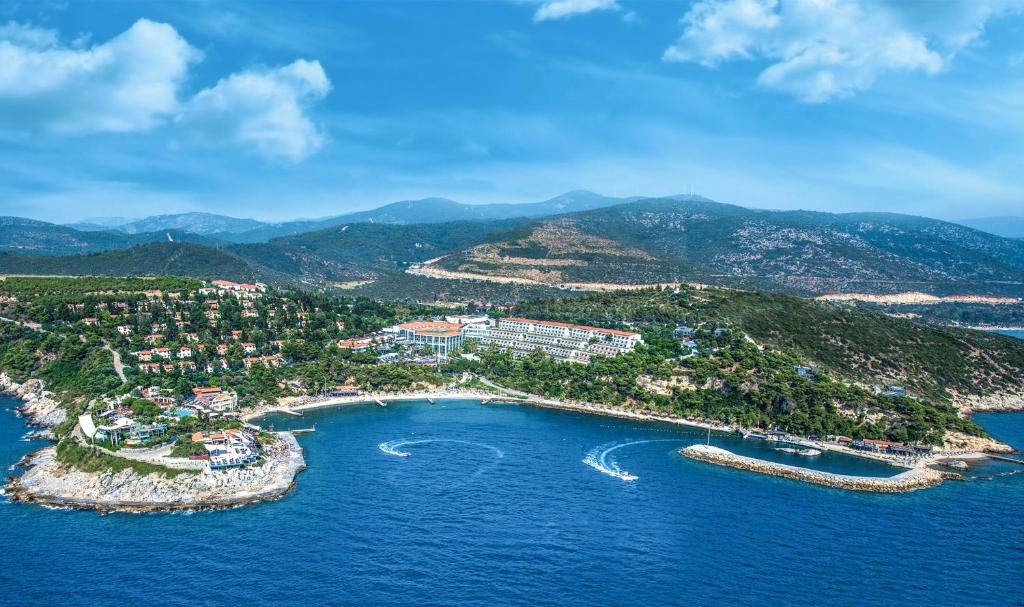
134	83
127	84
262	109
25	35
564	9
826	49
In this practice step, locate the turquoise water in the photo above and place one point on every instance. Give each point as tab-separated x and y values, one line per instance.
495	506
1017	334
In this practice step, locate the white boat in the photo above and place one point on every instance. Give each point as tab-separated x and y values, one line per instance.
801	451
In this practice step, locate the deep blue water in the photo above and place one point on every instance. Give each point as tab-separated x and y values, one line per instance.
1017	334
510	515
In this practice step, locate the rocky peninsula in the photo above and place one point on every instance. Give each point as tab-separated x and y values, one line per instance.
183	485
39	407
50	482
911	480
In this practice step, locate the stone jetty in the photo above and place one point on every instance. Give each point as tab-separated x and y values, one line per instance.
911	480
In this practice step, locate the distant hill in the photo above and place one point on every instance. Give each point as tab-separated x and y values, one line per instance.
31	237
663	240
95	224
351	252
427	210
676	239
439	210
196	223
158	258
1008	226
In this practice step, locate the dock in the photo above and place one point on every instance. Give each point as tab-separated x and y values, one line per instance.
303	430
1003	458
430	400
380	402
290	412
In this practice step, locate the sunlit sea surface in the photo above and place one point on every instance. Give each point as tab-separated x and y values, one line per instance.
511	505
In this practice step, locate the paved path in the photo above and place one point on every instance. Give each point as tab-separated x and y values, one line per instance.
28	325
118	365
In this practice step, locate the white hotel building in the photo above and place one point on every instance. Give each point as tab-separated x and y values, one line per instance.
560	340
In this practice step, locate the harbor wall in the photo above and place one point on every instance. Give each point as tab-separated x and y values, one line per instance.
911	480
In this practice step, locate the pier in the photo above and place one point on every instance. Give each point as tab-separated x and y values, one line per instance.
303	430
380	402
1003	458
430	400
290	412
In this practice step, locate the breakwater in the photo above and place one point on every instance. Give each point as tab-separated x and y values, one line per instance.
911	480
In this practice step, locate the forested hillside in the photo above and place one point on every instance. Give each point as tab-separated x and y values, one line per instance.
935	363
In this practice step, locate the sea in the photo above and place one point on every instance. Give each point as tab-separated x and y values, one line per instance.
513	505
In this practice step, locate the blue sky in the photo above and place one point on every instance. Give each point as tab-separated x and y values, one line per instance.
283	110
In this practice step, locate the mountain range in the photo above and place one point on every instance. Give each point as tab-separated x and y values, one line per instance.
31	237
579	237
426	210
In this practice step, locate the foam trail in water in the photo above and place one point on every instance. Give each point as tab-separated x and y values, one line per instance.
598	458
394	447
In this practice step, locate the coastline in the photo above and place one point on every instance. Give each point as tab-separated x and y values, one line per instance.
49	482
514	396
38	406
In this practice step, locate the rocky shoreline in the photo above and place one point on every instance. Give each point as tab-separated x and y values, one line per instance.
911	480
49	482
992	403
39	406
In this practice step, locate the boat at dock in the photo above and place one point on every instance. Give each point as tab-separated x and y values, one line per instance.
805	451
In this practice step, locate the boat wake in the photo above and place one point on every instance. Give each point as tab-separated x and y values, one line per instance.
394	447
601	458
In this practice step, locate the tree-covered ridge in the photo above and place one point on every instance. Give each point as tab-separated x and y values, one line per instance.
730	381
940	363
752	359
708	242
69	322
643	242
59	285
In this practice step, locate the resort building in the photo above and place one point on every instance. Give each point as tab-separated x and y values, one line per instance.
441	337
356	345
227	285
469	319
215	399
576	343
228	448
